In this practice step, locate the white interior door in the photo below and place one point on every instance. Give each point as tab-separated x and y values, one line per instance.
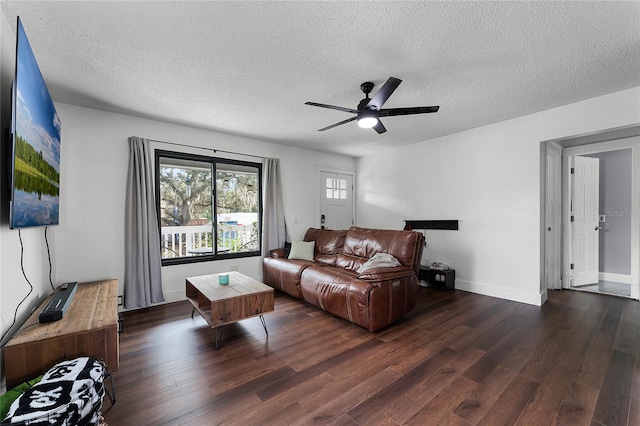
585	194
336	200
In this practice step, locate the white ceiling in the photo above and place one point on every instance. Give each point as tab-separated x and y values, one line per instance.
247	68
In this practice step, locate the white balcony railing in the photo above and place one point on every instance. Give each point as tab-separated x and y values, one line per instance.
183	241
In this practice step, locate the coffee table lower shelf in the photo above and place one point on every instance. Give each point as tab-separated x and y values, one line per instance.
220	305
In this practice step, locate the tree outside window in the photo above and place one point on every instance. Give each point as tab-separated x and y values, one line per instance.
193	207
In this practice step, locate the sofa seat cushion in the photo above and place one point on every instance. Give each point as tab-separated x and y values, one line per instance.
338	291
386	273
284	274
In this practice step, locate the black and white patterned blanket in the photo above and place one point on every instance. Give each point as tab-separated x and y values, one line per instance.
69	394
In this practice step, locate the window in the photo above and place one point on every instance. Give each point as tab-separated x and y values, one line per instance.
336	188
201	197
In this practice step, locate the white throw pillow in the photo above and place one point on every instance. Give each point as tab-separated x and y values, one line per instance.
379	260
302	250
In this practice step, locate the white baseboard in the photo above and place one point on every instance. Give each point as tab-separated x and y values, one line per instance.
527	297
616	278
174	296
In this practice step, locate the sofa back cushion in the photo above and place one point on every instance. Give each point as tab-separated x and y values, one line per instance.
361	244
328	244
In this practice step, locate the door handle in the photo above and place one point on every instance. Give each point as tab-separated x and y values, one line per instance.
598	228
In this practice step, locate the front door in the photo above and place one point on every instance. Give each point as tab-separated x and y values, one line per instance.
585	194
336	200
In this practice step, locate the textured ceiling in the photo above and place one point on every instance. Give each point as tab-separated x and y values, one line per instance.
247	68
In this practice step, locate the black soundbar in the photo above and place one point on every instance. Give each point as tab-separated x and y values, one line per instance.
54	310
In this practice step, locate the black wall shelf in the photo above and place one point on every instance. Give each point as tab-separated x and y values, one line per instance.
433	224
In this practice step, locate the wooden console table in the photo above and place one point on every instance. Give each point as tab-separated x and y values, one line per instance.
89	328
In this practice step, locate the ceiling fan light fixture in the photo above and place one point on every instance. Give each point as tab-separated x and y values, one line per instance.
367	120
369	109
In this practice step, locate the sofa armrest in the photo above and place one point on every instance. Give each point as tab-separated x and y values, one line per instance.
277	253
386	273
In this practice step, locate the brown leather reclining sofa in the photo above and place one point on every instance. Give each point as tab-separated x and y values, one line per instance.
372	299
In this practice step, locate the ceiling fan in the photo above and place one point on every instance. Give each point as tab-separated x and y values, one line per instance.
370	109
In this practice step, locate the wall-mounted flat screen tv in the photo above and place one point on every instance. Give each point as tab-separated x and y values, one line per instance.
35	157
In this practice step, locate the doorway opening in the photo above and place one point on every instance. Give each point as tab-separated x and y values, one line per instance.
565	252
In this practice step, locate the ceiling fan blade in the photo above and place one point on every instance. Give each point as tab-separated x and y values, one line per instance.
338	108
383	94
407	111
338	124
379	127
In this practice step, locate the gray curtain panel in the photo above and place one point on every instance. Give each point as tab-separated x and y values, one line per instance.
274	227
143	275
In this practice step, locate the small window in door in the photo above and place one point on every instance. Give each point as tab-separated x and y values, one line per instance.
336	188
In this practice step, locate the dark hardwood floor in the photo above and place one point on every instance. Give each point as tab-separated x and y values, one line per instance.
458	359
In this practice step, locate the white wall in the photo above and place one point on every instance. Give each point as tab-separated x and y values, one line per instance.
489	179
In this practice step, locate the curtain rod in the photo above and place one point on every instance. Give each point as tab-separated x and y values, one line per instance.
208	149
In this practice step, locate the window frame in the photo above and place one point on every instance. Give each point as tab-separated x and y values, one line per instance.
214	161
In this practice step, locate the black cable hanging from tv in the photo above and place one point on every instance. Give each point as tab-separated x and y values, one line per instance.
46	240
15	313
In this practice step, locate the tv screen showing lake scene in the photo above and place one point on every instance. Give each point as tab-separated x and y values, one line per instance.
36	144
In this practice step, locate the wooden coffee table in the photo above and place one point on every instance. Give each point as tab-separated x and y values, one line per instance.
220	304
